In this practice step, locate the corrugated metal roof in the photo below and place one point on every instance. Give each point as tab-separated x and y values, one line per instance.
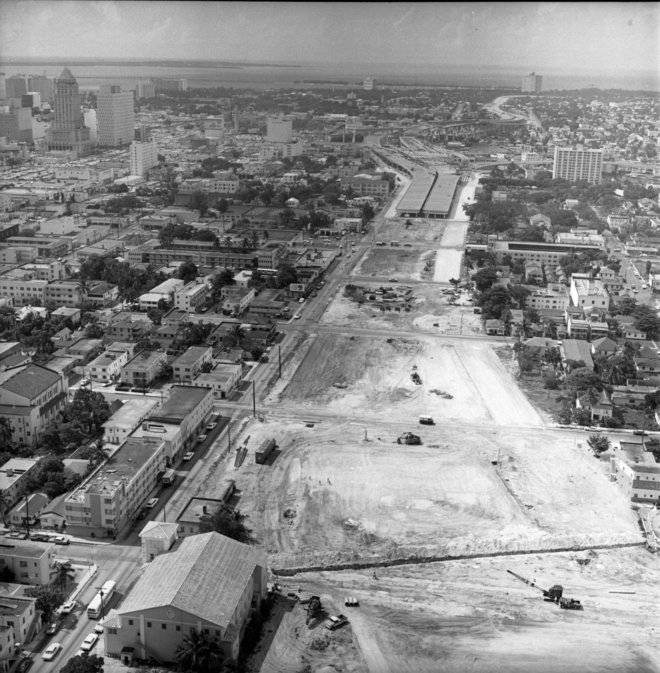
205	577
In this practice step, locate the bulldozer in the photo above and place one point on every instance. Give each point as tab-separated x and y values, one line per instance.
408	438
554	594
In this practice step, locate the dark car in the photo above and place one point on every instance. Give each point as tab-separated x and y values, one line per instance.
142	514
39	537
24	665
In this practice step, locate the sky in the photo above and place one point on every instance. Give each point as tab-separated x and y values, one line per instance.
610	36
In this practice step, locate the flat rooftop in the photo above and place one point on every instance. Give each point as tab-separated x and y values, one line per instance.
442	194
191	356
198	507
416	194
181	402
132	412
123	465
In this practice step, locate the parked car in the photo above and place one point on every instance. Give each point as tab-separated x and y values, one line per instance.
39	537
210	426
89	642
142	514
393	280
24	665
98	629
60	539
335	621
16	535
67	607
51	651
201	438
297	316
188	456
151	503
52	629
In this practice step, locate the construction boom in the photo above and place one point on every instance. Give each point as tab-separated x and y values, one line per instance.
554	593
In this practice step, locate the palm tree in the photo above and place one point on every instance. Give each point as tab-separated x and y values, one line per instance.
62	573
5	505
265	235
254	238
198	652
5	432
97	453
237	334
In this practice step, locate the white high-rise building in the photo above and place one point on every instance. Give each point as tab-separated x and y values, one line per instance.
115	116
90	122
532	83
369	84
280	129
144	155
578	164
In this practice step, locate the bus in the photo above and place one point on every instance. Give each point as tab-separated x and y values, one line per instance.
101	599
169	477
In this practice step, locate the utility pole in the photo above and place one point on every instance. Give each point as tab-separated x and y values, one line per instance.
279	358
229	436
254	400
27	513
102	605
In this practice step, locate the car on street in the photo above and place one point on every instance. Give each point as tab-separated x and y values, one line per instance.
188	456
67	607
17	536
301	300
393	280
297	316
80	653
52	629
151	503
60	539
99	629
39	537
24	665
89	642
51	651
210	426
142	514
201	438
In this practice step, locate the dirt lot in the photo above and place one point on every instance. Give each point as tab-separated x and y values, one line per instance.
420	230
405	264
345	376
431	313
473	617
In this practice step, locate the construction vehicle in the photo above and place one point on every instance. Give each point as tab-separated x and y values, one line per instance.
554	593
416	378
408	438
570	604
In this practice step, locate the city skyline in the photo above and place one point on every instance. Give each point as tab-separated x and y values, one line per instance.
621	37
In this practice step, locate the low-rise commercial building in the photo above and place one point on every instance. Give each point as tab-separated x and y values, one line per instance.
210	583
589	292
188	521
125	420
223	380
636	473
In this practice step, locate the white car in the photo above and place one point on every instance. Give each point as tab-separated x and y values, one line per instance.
210	426
297	316
201	438
89	642
67	608
188	456
152	503
51	651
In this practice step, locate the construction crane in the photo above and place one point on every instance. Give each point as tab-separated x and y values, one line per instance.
554	593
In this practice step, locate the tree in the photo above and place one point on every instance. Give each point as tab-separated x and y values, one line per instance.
5	505
494	302
222	205
155	315
198	652
95	453
49	598
187	271
368	213
455	282
485	278
146	344
227	522
94	331
5	432
598	443
62	573
199	201
286	275
236	334
84	663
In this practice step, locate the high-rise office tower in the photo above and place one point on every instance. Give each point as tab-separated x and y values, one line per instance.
280	130
115	116
369	84
68	131
532	83
43	86
144	155
578	164
90	122
15	86
3	90
237	119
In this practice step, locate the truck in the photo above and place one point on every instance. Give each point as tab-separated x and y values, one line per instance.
169	477
266	448
426	420
228	491
408	438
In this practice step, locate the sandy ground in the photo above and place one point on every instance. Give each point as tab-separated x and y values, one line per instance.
420	230
454	235
473	617
349	375
404	263
447	265
430	313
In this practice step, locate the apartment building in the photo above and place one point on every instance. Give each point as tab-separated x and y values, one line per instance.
589	292
31	562
236	299
129	330
173	596
187	366
64	293
19	618
223	380
14	476
125	420
111	497
172	435
107	366
22	288
191	297
30	397
368	184
554	296
143	368
144	156
578	164
636	473
45	247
